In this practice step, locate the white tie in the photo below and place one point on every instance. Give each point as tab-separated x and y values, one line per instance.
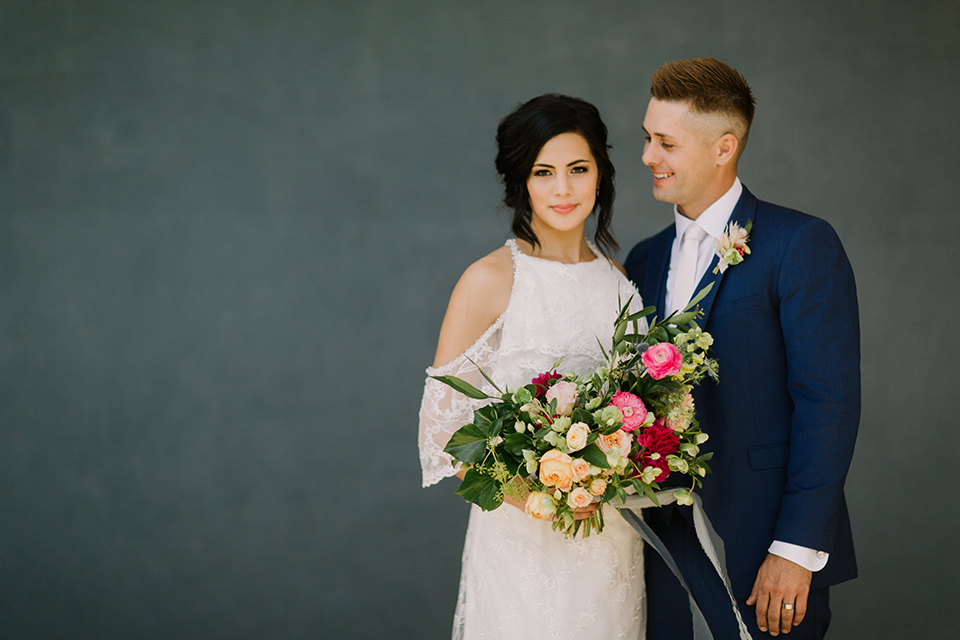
686	280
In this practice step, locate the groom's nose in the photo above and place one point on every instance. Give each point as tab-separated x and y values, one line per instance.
649	156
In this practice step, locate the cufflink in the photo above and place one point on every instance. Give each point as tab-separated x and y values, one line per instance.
821	555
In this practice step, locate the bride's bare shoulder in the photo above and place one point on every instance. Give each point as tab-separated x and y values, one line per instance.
480	297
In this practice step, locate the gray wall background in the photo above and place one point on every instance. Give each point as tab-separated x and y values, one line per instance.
228	231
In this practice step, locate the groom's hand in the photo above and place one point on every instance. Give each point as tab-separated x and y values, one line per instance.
780	582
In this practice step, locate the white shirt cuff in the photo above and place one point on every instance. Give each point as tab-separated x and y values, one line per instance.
809	559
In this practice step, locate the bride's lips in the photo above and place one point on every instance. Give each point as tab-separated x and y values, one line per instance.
563	208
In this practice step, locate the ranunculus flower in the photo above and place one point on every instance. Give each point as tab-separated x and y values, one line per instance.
581	469
540	505
579	498
598	486
565	393
577	436
542	381
656	443
662	360
633	410
556	469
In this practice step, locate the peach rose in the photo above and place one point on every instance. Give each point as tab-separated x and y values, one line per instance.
556	470
579	498
540	505
581	469
565	393
620	439
598	486
577	436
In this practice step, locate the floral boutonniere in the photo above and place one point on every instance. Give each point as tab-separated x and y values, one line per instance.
732	246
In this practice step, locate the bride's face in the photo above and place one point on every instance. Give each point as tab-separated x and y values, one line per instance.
563	184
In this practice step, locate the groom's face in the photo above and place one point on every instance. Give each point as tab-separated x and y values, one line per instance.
681	152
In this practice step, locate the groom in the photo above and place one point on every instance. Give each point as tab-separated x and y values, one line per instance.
783	419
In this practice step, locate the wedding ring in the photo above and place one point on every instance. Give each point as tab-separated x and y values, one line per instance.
788	606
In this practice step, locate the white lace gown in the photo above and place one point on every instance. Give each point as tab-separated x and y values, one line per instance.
520	578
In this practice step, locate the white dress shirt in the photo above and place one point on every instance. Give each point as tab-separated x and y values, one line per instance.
713	220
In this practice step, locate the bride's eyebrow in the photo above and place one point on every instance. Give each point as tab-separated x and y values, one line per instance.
550	166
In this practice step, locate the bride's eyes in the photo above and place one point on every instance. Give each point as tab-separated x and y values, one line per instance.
543	173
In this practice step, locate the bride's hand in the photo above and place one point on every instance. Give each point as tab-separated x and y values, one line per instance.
585	512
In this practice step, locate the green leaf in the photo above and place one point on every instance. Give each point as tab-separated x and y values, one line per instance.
595	456
480	489
684	318
643	313
700	296
515	442
648	491
488	420
463	387
485	376
584	416
468	444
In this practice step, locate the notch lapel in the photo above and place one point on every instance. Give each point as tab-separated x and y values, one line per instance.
746	209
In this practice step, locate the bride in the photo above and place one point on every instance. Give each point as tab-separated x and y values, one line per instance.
546	296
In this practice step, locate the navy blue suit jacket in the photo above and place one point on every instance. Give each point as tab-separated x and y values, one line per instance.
783	419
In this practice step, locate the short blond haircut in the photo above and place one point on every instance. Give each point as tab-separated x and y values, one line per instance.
710	88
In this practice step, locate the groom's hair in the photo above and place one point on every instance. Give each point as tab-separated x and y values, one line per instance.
709	87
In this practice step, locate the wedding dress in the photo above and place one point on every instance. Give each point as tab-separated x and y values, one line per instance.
520	578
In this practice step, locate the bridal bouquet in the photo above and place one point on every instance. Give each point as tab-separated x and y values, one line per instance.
564	442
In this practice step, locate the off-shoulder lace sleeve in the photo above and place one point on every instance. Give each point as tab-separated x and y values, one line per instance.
444	410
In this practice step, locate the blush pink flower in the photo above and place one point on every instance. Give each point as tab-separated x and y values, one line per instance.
579	498
662	360
580	468
542	382
633	410
565	393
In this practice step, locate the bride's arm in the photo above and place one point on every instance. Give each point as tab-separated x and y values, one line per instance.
468	339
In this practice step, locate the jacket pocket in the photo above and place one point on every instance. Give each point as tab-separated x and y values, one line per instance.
769	457
735	306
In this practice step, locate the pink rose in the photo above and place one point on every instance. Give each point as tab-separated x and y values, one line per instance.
565	393
633	410
540	505
542	381
556	469
598	486
581	469
579	498
662	360
577	436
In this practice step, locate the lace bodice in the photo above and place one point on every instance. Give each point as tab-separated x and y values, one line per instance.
557	312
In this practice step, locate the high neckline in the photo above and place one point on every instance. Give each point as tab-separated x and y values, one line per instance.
512	242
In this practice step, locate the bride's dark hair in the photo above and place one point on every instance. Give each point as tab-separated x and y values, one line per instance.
520	137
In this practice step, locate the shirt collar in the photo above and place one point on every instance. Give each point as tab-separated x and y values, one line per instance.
715	217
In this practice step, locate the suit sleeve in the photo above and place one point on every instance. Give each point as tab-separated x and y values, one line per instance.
821	331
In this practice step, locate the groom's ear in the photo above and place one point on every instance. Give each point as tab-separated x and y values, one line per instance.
726	148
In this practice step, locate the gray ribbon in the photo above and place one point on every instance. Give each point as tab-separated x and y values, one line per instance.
712	545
